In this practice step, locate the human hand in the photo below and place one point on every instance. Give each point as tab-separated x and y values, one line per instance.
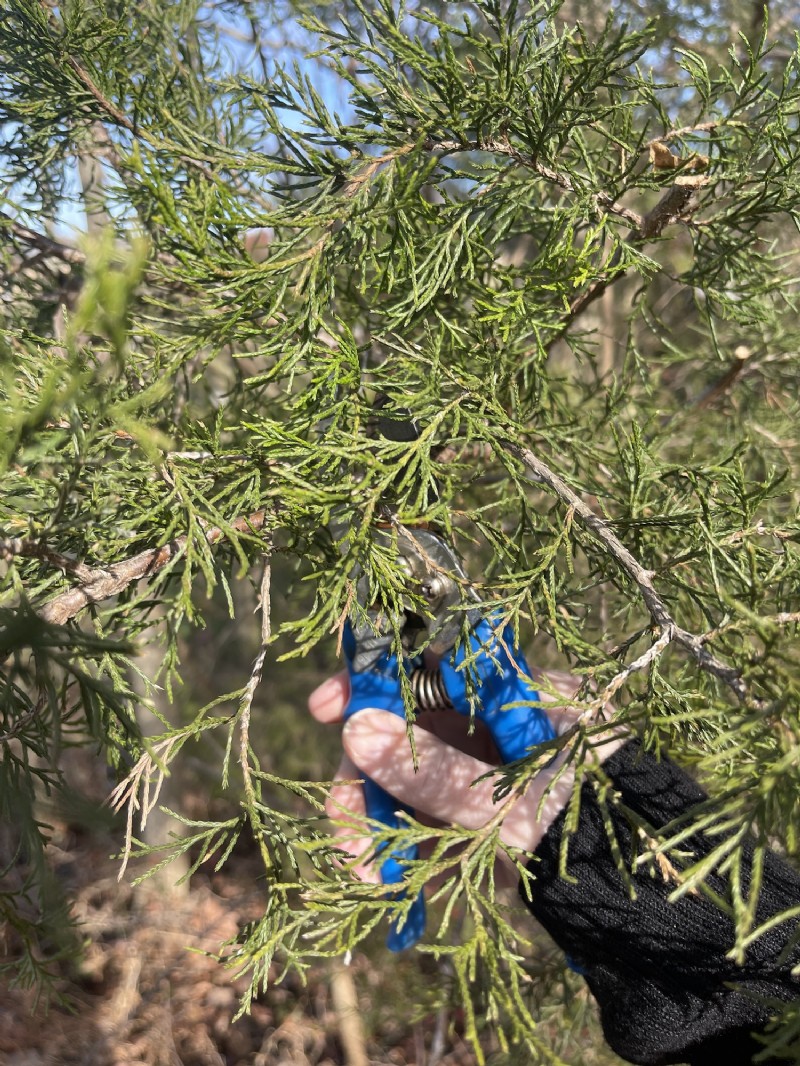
444	788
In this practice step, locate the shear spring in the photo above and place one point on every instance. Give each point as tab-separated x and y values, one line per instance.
429	691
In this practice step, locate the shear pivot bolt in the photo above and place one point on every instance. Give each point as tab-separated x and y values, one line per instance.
434	588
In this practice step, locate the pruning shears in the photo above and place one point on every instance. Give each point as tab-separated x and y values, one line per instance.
506	703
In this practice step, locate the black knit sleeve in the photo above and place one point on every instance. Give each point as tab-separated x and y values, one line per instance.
659	972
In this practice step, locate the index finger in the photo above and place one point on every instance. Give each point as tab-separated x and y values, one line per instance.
328	701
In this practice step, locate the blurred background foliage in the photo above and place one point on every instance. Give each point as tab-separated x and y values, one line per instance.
229	228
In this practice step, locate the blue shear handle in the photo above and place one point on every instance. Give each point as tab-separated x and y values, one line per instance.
384	808
379	687
514	730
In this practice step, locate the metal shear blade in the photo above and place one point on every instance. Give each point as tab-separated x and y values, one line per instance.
438	587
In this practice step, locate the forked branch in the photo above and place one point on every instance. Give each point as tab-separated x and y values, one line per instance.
641	577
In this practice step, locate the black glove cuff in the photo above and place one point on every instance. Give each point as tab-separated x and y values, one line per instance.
658	969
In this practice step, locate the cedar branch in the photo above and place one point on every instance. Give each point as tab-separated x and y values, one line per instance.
675	205
121	119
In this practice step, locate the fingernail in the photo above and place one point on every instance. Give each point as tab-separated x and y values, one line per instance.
370	736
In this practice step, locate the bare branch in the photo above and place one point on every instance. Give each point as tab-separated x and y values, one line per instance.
677	203
502	146
32	549
119	576
42	243
243	716
684	131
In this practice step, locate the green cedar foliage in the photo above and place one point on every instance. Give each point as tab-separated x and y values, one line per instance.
568	250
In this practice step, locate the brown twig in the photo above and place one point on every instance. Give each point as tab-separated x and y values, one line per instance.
119	117
677	203
107	148
741	357
641	577
117	577
684	131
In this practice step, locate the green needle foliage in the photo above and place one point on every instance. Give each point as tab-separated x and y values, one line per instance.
567	250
